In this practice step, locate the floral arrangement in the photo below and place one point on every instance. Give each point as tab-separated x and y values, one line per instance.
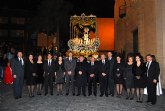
80	47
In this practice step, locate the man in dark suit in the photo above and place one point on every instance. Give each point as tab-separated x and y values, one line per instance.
49	72
92	76
110	72
70	65
17	66
81	76
152	73
103	76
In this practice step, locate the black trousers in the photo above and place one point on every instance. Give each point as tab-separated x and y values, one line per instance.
92	84
111	85
18	85
70	82
83	88
151	90
48	82
104	85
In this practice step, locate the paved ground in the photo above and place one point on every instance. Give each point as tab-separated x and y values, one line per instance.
72	103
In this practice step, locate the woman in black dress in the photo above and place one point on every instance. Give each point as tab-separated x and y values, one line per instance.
30	73
129	78
39	76
139	77
59	74
81	76
118	74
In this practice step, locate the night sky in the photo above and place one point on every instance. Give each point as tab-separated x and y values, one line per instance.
100	8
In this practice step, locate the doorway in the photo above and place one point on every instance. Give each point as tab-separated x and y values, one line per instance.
135	41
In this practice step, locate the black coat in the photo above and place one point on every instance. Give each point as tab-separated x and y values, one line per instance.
111	67
58	66
17	67
103	68
81	80
153	71
141	72
49	70
119	72
30	68
92	69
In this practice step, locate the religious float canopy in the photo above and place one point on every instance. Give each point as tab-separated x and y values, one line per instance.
83	36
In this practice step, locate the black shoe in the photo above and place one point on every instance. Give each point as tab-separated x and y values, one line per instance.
57	94
131	98
112	95
148	101
118	96
153	103
16	97
101	95
73	94
51	94
137	101
84	95
20	96
30	95
127	98
95	94
140	101
106	95
46	94
89	94
78	95
67	94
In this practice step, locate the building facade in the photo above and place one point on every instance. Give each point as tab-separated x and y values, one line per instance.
13	26
140	27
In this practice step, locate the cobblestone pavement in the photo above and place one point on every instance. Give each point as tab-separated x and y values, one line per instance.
72	103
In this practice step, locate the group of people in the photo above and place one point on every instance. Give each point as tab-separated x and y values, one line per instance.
77	74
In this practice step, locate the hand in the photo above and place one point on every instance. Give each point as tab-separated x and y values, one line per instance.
103	74
125	78
34	74
55	73
69	72
155	81
137	77
64	73
80	72
118	75
14	76
92	75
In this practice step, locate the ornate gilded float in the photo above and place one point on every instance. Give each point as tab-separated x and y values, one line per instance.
83	36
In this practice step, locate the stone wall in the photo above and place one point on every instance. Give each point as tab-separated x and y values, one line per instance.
148	16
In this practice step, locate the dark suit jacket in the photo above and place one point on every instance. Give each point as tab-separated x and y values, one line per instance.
111	66
81	79
30	69
154	71
92	69
17	67
103	68
49	70
70	66
58	66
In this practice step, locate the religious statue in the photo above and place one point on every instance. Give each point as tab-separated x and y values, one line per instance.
83	45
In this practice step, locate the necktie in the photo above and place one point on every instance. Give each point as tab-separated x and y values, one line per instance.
148	65
103	62
48	62
20	60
